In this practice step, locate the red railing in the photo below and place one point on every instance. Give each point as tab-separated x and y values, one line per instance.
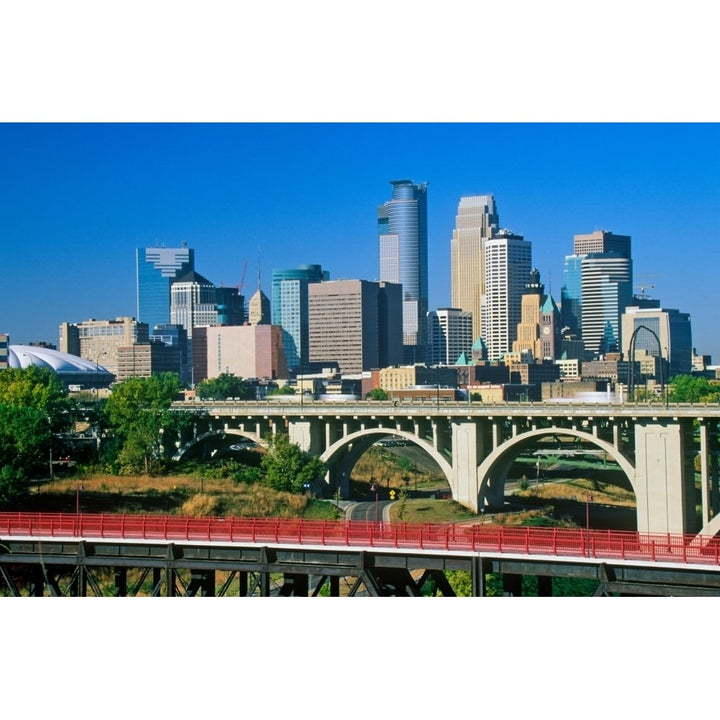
350	533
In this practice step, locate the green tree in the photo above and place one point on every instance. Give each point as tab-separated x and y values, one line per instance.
693	389
284	390
137	412
377	394
225	385
33	405
286	467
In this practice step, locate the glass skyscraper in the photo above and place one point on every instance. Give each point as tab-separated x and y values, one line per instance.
597	288
156	269
290	310
403	251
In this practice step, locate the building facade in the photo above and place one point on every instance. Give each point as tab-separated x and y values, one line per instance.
156	269
193	302
403	256
538	332
290	310
508	260
661	333
99	340
259	309
247	351
597	288
450	335
356	323
476	221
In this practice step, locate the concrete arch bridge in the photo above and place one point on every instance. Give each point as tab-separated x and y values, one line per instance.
474	445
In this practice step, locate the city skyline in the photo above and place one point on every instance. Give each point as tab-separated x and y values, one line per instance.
79	200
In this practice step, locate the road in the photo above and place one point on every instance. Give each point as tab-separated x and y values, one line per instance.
371	511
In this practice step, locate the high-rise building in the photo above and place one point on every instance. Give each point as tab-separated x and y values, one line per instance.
230	306
403	251
99	340
156	269
290	310
193	302
356	323
538	332
259	309
508	259
597	289
476	220
450	335
662	333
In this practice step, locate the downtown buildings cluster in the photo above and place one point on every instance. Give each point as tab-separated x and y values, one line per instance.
503	337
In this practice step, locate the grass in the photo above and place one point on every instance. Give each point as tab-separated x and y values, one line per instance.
174	495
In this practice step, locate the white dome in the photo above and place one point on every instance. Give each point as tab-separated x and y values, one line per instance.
70	368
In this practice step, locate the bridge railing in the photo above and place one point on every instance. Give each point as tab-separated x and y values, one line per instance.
563	542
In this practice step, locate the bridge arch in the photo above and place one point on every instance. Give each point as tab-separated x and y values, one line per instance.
343	454
492	471
184	447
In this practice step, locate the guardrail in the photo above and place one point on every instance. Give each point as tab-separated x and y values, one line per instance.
599	544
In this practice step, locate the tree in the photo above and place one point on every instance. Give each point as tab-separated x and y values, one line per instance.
284	390
138	412
33	405
286	467
225	385
377	394
693	389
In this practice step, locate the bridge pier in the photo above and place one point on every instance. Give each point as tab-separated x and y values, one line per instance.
665	477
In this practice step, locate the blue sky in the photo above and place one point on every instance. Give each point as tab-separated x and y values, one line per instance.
76	200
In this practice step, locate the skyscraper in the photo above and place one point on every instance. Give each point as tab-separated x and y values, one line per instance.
290	310
507	263
193	302
156	269
403	255
597	289
672	339
450	335
356	323
476	220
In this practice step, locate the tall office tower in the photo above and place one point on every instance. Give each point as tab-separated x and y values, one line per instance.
508	259
597	289
672	330
99	340
156	269
290	310
476	220
259	309
355	323
450	335
192	302
402	235
539	329
230	306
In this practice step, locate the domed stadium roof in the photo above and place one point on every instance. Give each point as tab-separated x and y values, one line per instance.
71	369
